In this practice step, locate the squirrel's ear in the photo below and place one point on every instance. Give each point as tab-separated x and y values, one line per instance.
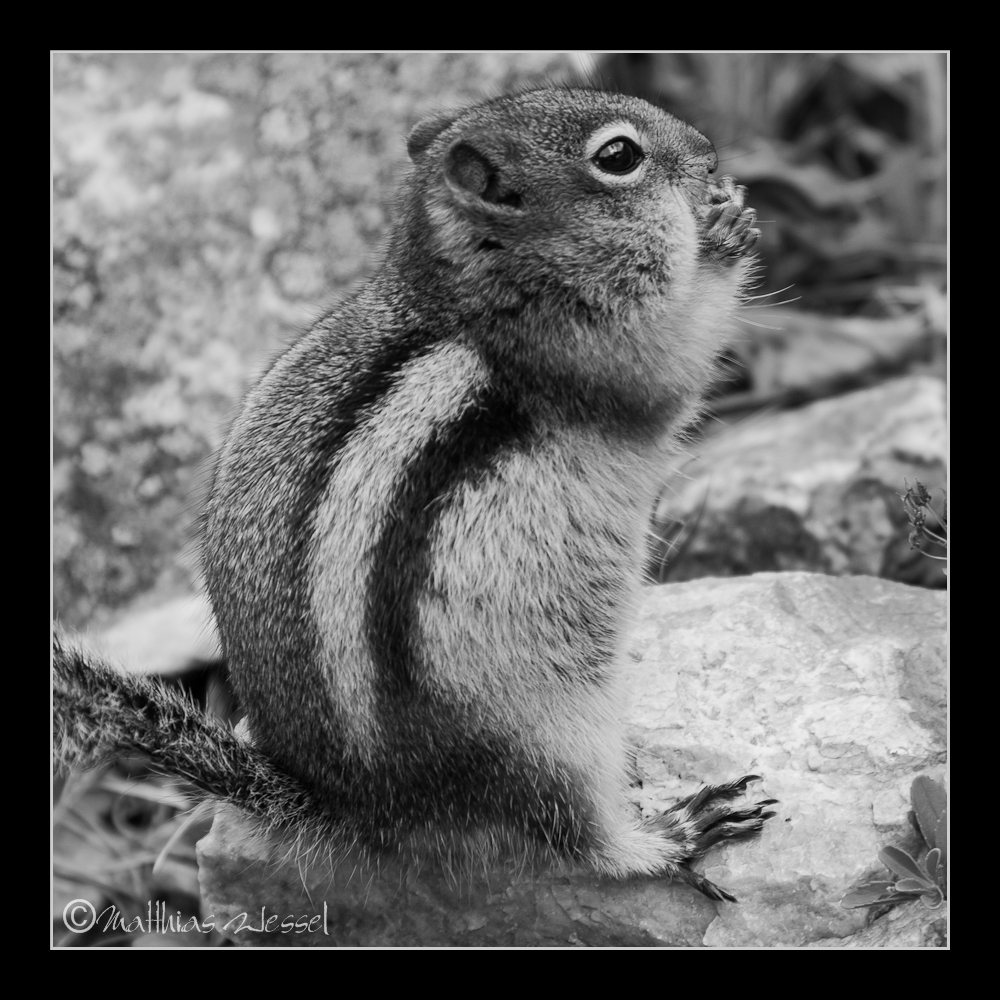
467	168
469	171
426	131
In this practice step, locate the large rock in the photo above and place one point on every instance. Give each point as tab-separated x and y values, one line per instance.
814	489
831	688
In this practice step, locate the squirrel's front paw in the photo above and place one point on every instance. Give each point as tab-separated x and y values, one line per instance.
694	824
728	231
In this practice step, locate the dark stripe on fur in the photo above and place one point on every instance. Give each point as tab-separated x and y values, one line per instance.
456	453
367	389
264	610
443	766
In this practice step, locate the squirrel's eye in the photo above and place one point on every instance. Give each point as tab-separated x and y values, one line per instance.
618	156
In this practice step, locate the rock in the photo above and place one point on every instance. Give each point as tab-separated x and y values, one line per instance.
815	489
165	640
831	688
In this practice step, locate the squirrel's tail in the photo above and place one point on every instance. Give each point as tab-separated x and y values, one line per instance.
101	713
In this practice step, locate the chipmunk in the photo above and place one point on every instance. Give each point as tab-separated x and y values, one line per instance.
426	529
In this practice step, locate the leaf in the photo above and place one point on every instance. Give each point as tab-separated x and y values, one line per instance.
932	900
941	838
900	862
914	885
929	804
867	895
931	863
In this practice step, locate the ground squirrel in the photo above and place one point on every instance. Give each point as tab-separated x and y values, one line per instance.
426	529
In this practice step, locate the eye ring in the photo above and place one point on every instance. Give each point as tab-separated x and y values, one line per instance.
620	155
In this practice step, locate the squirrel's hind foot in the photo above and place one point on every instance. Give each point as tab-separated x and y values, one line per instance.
699	821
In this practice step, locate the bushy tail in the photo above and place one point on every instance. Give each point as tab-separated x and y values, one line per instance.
102	714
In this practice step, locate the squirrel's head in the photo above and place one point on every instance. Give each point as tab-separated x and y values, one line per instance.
585	195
